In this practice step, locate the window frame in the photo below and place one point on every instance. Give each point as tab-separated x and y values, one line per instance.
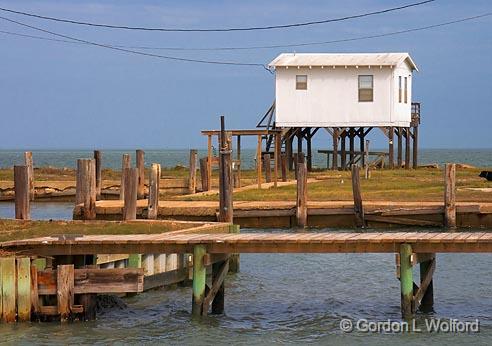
359	87
405	85
400	90
300	84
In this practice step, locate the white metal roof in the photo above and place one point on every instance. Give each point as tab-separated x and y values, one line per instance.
342	59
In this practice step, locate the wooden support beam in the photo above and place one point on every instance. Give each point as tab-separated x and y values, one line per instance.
238	160
309	151
362	145
391	150
192	172
22	196
358	207
415	147
140	164
216	293
366	160
204	174
335	148
399	159
225	177
288	150
30	166
427	268
65	292
352	144
276	158
125	163
209	162
406	281
299	140
86	188
8	296
301	205
98	163
258	162
23	289
199	280
343	153
450	195
283	162
154	188
267	167
34	291
131	187
407	148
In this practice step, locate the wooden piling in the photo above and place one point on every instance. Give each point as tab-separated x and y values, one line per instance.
309	151
407	148
7	265
22	196
130	201
406	281
289	150
415	147
335	149
301	205
366	159
391	151
86	188
29	163
209	162
192	173
98	158
140	164
399	159
283	165
23	289
199	280
125	163
362	142
225	178
343	152
258	161
238	160
426	270
358	207
352	144
276	158
154	188
204	174
450	195
267	167
217	291
65	291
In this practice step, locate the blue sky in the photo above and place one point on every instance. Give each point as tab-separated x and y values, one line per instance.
57	95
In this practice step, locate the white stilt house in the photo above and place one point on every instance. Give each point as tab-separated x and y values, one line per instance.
347	95
336	90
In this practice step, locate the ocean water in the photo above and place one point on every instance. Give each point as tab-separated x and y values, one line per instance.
282	298
172	158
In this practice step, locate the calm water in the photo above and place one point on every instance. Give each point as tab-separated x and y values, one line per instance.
282	298
171	158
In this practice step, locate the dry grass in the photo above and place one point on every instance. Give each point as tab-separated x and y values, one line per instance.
423	184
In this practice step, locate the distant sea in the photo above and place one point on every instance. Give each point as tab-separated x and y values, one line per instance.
171	158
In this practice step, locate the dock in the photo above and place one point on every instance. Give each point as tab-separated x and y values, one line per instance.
269	214
213	250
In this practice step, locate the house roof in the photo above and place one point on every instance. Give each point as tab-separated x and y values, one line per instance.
342	59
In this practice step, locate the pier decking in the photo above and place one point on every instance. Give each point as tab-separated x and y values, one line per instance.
332	242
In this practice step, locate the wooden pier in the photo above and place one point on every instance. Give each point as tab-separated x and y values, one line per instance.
214	249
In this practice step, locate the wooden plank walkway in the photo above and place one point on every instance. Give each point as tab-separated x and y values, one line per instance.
331	242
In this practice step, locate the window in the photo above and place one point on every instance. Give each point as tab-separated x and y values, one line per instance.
406	90
400	91
366	89
301	82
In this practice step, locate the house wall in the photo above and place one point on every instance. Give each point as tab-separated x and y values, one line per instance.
331	98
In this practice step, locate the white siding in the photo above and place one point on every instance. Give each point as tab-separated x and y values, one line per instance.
331	98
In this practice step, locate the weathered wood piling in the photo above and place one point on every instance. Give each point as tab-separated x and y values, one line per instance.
86	187
192	173
450	195
131	194
22	193
125	163
140	164
301	205
225	177
28	161
358	207
98	160
154	188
